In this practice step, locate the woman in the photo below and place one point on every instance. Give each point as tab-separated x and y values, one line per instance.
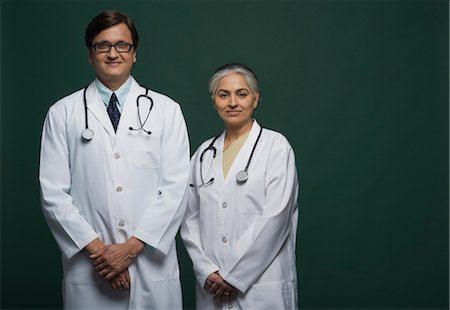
241	222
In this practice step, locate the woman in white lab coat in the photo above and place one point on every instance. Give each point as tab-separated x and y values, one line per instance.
119	186
241	222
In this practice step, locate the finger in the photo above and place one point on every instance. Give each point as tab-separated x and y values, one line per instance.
109	276
209	282
94	256
213	288
100	267
121	282
98	261
232	296
125	285
225	296
127	277
207	287
104	272
114	285
219	293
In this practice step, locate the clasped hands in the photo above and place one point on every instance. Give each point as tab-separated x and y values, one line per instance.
112	261
219	288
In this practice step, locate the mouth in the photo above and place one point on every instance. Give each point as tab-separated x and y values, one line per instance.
233	113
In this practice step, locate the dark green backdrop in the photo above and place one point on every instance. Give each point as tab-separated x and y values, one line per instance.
360	88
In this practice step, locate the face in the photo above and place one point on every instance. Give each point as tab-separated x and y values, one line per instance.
234	101
113	68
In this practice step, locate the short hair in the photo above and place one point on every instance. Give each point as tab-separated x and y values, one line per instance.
107	20
239	68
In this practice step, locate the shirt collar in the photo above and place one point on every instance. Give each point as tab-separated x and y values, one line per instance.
121	93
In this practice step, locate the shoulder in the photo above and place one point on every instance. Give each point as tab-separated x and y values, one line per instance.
67	102
159	99
204	145
276	137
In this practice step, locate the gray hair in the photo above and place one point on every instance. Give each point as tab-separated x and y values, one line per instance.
242	69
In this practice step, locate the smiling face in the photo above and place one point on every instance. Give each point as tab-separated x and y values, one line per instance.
234	101
113	68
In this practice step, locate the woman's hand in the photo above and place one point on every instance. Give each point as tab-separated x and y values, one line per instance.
219	288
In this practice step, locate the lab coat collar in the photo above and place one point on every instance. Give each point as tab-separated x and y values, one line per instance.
129	115
241	158
129	112
96	106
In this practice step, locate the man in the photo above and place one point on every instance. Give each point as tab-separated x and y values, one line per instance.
113	172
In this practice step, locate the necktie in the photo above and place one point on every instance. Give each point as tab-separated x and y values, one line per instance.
113	111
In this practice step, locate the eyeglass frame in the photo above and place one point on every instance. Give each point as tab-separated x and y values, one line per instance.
130	46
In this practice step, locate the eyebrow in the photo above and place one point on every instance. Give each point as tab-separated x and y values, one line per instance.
106	41
240	89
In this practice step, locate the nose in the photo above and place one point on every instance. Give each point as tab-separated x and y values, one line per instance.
113	52
232	103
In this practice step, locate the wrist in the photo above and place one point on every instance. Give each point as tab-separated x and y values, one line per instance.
94	246
136	246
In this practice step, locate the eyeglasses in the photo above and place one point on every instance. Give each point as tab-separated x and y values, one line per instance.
105	47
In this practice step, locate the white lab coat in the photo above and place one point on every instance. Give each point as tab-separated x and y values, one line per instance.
247	231
114	187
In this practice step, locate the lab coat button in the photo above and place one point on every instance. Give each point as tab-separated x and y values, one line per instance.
224	239
119	189
116	155
122	223
224	205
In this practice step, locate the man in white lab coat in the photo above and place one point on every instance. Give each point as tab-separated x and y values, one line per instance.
114	167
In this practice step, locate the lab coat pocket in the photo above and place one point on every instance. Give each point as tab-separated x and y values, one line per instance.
146	149
272	295
79	270
251	195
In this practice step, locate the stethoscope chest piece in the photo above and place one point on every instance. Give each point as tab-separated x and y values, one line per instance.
241	176
87	134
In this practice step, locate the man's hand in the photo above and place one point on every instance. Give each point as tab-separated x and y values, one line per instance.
115	258
121	281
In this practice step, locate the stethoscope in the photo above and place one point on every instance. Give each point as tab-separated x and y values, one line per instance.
241	176
88	133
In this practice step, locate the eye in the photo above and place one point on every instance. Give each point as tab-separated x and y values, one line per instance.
242	94
222	95
122	45
102	45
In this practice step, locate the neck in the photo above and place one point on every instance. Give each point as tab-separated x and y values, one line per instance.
113	85
233	133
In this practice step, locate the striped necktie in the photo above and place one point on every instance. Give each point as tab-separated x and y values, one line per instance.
113	111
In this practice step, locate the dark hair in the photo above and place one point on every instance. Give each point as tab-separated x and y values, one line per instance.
107	20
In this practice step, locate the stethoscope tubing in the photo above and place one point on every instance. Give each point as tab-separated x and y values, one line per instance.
241	176
87	134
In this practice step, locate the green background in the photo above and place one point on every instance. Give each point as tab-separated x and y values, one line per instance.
360	88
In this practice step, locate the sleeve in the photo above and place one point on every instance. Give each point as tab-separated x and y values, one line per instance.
190	232
261	242
70	229
160	222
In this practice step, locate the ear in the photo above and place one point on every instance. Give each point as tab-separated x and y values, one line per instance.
134	57
255	102
89	56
